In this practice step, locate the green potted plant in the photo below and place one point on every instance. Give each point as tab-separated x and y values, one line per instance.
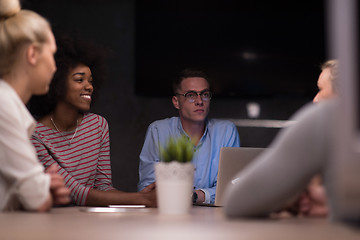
179	149
175	176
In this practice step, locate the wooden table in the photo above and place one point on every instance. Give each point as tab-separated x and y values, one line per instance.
202	223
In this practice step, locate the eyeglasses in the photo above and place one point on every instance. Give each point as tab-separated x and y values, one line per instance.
192	95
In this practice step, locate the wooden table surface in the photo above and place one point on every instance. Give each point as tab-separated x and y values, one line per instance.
202	223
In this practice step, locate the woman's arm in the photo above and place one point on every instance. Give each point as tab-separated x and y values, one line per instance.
104	198
103	179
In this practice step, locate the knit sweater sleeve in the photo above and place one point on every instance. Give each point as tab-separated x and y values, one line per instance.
103	180
78	191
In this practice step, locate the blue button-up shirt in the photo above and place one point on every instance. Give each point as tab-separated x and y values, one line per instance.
217	134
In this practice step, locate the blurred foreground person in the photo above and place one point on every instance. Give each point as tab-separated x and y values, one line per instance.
27	65
298	154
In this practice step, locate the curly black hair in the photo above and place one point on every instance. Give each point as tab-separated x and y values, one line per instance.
71	52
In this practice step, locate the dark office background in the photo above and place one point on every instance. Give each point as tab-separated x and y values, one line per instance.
112	24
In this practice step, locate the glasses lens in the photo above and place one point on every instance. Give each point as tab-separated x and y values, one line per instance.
191	95
205	96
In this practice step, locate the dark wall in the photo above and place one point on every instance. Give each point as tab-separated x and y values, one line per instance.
111	24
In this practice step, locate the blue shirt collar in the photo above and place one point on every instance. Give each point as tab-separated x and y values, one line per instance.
182	131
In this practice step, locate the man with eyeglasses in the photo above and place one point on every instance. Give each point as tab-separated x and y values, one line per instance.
192	97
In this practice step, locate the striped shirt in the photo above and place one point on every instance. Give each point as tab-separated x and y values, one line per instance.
85	163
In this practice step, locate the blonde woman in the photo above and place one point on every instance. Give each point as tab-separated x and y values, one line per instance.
298	153
27	65
313	201
327	82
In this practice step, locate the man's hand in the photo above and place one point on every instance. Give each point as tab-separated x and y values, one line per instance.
149	188
149	194
201	196
313	201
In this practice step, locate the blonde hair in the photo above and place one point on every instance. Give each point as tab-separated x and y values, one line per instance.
17	28
333	66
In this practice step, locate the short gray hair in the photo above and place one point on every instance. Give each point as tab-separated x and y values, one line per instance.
333	66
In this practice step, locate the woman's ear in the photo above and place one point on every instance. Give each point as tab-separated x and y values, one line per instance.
32	54
175	102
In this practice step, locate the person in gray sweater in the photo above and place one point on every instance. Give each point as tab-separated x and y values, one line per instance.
282	172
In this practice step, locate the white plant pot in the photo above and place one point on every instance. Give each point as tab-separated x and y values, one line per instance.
174	186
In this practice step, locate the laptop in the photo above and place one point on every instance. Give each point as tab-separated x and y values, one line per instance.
231	161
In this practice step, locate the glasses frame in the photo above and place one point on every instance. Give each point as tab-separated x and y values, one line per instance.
191	100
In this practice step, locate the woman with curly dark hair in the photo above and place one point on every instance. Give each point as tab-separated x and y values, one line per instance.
69	136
